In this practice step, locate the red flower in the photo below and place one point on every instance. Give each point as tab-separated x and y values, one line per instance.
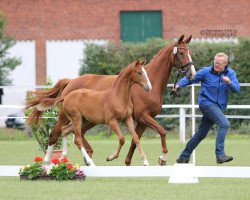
38	159
64	159
55	161
70	166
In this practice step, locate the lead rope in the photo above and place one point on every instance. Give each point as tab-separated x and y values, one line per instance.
178	75
179	71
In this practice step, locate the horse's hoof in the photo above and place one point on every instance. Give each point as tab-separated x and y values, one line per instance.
110	158
61	157
63	154
90	163
127	163
145	162
46	160
85	161
162	162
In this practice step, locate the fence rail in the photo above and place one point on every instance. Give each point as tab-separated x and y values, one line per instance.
182	115
198	171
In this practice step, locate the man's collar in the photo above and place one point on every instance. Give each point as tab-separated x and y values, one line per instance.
223	72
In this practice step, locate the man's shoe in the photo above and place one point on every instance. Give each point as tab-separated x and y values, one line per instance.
182	160
223	159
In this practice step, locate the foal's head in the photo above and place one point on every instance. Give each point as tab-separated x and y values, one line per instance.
139	75
181	57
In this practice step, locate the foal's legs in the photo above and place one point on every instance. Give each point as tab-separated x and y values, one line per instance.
115	127
86	145
148	121
130	125
65	132
140	128
55	133
69	128
78	123
65	147
85	128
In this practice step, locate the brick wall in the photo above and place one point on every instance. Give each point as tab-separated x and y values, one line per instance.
97	19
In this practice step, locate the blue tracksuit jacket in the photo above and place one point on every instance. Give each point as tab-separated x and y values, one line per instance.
213	89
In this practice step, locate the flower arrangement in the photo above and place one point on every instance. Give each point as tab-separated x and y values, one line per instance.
59	169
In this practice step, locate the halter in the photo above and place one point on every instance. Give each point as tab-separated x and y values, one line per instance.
179	65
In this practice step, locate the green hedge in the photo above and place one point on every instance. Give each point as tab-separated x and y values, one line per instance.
111	58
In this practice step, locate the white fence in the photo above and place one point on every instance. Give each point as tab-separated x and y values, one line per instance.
177	173
152	171
181	114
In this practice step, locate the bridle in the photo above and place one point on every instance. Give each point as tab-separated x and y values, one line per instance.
179	65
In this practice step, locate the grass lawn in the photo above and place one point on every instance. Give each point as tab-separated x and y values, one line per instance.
22	152
124	189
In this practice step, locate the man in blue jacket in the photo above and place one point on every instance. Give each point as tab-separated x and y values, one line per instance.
216	81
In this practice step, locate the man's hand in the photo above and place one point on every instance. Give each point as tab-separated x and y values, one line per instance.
175	90
226	79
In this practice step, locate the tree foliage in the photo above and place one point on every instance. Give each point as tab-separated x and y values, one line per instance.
7	64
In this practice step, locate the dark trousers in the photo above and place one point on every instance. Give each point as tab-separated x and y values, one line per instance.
211	115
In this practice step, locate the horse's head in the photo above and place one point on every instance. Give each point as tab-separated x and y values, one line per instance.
139	75
181	58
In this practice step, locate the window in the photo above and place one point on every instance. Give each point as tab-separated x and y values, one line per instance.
137	26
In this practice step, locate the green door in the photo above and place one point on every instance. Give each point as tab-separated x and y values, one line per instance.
137	26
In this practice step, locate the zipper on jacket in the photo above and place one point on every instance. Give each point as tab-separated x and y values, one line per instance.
218	90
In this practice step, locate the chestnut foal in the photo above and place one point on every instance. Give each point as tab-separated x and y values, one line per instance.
105	107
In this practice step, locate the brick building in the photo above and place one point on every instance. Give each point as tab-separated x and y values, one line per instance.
43	20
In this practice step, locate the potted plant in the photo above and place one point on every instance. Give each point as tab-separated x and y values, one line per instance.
59	169
44	127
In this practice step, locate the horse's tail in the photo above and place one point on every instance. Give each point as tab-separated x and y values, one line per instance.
44	99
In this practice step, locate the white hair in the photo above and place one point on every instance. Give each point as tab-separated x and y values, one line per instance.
221	54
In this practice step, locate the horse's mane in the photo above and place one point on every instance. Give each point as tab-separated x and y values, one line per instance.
162	51
122	72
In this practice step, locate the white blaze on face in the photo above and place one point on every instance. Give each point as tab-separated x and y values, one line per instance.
193	71
148	81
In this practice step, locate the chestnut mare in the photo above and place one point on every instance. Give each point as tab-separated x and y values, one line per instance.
109	107
146	106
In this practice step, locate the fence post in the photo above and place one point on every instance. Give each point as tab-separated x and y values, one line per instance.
182	125
193	117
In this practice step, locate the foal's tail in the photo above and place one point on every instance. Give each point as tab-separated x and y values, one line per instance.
44	99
